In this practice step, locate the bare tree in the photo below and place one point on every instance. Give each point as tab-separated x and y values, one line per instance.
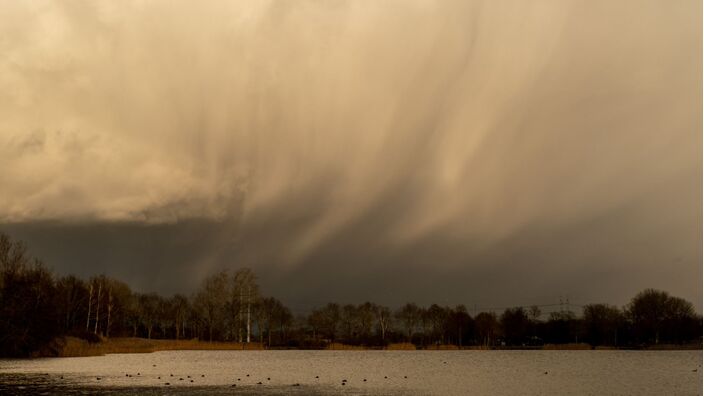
383	318
365	320
326	320
90	300
408	316
648	309
245	288
97	305
210	301
267	312
110	306
349	319
486	327
148	309
180	312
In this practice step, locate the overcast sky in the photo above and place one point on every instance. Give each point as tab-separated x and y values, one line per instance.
488	153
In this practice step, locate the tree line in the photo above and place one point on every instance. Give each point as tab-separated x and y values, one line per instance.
37	308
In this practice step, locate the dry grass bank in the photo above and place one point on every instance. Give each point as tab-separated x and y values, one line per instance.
403	346
442	347
674	347
344	347
74	347
567	347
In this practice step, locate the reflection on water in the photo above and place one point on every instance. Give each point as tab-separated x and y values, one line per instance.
361	373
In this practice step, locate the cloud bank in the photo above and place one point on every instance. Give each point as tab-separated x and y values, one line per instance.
450	134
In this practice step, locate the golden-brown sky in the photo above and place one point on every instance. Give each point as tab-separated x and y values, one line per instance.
514	150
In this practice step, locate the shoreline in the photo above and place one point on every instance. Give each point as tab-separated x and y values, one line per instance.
76	347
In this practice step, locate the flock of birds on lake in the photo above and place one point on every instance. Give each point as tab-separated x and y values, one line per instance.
188	378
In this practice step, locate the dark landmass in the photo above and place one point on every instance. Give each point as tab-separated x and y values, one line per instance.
45	315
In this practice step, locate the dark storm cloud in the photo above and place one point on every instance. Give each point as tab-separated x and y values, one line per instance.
490	152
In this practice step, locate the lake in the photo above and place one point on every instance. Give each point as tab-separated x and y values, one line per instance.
364	372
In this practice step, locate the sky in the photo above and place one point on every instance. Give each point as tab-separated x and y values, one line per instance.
486	153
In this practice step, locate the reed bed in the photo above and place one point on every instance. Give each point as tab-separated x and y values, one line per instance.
74	347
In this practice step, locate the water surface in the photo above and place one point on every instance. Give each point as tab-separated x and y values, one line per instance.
385	372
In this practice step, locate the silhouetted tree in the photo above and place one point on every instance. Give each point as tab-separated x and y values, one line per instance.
148	311
486	327
562	328
655	314
72	292
246	293
515	325
348	320
181	308
210	302
383	320
365	321
29	320
601	324
462	323
408	316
